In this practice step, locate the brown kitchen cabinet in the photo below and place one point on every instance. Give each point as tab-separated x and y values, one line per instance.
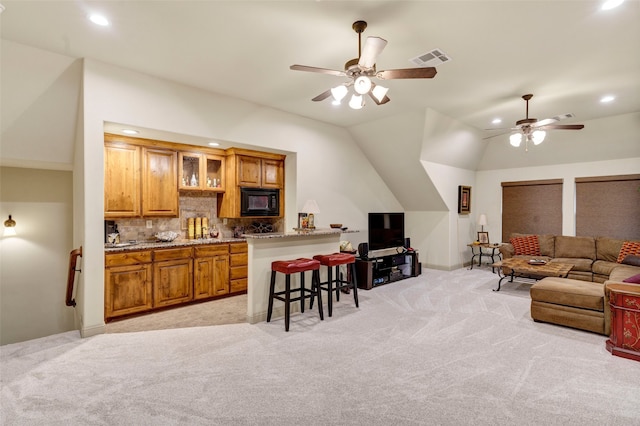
141	281
139	180
201	172
121	180
172	276
260	172
238	267
252	169
211	275
127	283
159	192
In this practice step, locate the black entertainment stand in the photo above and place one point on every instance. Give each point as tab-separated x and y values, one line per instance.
375	271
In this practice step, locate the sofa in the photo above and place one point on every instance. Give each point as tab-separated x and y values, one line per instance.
580	300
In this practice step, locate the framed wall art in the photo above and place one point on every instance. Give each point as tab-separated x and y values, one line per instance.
464	199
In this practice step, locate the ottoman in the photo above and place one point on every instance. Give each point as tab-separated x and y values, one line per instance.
572	303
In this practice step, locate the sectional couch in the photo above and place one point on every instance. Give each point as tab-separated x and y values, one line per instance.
580	300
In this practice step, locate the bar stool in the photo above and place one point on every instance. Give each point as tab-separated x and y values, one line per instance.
289	267
338	283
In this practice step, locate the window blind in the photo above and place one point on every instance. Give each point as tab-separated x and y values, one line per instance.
608	206
532	207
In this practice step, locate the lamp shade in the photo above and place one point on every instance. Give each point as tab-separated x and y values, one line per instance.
362	85
482	220
538	136
9	227
339	92
379	92
356	102
515	139
310	207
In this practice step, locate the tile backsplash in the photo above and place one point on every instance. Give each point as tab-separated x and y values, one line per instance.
193	205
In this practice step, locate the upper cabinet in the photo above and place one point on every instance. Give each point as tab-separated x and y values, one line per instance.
159	194
253	169
139	180
121	180
143	177
260	172
201	172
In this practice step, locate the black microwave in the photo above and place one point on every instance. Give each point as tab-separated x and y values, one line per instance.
259	202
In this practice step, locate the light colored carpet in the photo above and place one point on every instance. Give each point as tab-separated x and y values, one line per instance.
439	349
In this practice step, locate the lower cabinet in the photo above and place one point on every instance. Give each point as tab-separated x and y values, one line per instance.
172	276
238	267
211	271
141	281
128	284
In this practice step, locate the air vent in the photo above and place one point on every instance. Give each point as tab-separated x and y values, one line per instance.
431	59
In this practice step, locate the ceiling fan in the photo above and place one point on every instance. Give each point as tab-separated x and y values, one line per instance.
360	71
534	130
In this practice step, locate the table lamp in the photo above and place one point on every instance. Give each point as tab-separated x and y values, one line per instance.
482	221
310	208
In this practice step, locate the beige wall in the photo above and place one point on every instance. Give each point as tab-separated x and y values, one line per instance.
33	264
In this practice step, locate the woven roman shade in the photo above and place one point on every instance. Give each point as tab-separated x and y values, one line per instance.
608	206
531	207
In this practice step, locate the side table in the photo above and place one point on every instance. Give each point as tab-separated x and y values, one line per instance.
624	341
479	253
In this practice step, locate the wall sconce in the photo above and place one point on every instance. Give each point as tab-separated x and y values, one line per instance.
9	227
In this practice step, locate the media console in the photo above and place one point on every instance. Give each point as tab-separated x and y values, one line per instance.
383	269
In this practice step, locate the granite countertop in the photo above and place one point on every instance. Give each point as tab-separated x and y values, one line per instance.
301	233
150	245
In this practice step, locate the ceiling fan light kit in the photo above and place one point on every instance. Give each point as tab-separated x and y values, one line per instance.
361	70
534	130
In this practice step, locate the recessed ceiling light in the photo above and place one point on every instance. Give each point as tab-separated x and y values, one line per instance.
606	99
99	20
130	132
214	144
496	121
611	4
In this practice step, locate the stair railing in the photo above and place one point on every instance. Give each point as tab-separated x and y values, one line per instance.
73	260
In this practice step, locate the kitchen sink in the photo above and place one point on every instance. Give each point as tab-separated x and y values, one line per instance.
118	245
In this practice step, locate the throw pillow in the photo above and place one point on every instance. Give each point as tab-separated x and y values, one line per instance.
632	260
528	245
629	247
634	279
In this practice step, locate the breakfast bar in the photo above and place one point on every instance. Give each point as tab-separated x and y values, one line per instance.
266	248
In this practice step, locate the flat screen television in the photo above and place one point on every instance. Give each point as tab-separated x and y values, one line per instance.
386	230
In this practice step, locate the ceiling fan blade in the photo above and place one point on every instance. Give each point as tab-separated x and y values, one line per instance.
551	120
373	46
562	126
427	72
322	96
382	102
296	67
495	136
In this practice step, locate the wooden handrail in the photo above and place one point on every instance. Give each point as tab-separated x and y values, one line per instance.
73	259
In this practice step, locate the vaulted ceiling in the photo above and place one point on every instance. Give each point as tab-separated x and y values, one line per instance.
567	53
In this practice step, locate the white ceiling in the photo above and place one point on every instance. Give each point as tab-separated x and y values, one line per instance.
568	53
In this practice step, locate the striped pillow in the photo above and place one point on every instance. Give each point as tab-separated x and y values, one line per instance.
628	247
528	245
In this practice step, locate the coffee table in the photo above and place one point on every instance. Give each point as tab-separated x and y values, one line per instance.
521	268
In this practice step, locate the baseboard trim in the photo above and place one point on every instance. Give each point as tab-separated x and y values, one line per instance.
92	331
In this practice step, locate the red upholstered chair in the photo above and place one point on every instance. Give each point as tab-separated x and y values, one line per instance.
289	267
338	282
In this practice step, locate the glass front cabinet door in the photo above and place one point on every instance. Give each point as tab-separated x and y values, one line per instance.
201	172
